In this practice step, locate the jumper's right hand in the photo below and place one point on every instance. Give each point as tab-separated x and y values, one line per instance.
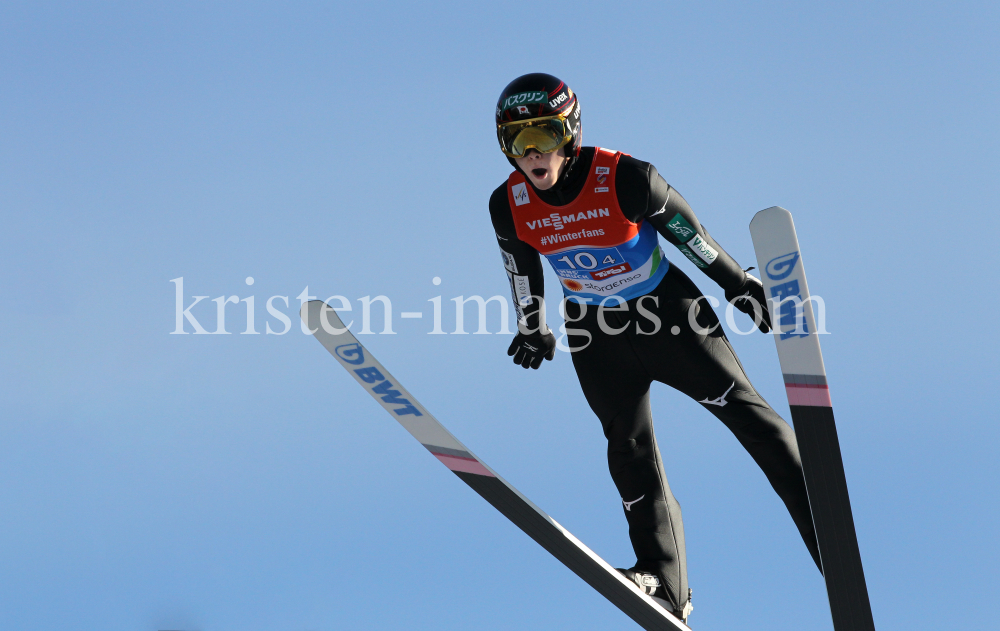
529	350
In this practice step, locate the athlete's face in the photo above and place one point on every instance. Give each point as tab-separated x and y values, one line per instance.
543	169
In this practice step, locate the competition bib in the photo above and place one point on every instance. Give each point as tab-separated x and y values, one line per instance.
593	248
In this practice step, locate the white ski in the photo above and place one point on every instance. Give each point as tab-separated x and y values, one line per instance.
327	327
796	336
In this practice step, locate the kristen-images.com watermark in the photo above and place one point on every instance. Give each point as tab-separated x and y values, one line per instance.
788	314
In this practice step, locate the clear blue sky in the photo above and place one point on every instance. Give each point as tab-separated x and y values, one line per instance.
244	482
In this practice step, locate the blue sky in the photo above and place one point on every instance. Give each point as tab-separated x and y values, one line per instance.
243	482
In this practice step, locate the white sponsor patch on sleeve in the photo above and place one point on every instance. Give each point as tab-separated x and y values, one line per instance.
704	251
522	292
520	192
518	312
508	261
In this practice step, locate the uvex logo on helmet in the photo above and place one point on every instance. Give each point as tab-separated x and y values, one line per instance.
560	99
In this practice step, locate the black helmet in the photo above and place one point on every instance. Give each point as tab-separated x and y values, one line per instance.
538	111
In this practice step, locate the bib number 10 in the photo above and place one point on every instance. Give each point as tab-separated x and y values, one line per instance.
585	260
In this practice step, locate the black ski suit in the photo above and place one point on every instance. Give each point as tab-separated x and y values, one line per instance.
689	352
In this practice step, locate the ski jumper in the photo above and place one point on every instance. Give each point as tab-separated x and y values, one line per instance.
599	231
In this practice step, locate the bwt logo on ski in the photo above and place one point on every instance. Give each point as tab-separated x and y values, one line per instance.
787	297
350	353
353	354
383	387
781	267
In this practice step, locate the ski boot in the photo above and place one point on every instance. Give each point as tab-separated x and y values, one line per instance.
650	584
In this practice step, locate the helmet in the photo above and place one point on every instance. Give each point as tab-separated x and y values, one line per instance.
538	111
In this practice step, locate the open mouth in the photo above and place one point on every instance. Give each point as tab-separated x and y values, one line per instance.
539	173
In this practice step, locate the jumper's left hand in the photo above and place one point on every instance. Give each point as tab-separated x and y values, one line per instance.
750	299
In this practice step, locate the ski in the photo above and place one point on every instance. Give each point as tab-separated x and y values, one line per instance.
797	339
327	327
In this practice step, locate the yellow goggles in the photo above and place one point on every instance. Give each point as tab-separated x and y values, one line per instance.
544	134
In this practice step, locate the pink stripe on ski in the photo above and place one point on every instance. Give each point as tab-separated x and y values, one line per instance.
808	394
465	465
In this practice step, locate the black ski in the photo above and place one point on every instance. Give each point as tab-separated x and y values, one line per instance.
796	337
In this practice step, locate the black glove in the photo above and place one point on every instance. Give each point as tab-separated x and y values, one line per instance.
749	298
528	350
